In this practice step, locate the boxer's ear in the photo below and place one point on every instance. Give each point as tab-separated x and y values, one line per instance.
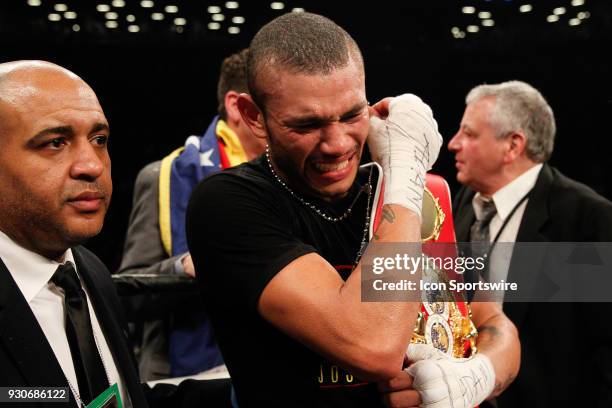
252	115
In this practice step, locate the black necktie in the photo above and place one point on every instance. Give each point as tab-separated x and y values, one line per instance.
88	366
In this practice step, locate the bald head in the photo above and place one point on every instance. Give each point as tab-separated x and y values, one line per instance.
55	183
24	83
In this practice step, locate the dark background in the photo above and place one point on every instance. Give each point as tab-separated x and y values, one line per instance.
157	86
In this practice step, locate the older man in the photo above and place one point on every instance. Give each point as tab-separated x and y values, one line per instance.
284	293
511	194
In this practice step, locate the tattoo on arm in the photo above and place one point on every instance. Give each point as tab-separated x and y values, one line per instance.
388	215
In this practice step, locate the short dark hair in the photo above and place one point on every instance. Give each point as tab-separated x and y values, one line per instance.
231	78
302	43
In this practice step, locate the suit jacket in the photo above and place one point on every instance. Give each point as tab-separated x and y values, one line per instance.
566	348
26	358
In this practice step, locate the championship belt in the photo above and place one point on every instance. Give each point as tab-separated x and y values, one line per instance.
445	319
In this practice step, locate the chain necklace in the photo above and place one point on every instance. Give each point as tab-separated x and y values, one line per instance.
367	188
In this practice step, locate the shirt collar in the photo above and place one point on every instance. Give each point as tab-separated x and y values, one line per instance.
507	197
30	270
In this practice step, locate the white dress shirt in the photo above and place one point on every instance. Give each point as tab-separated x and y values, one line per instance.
32	272
505	199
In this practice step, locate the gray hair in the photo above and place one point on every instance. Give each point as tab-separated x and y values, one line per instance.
519	107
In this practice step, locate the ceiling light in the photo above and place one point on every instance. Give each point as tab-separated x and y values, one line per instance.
133	28
171	9
472	29
218	17
584	15
214	9
157	16
118	3
525	8
70	15
297	10
552	18
577	3
231	5
34	3
455	30
146	4
559	11
277	5
111	15
233	30
60	7
111	24
484	15
214	26
179	21
54	17
130	18
574	21
237	19
468	10
103	8
488	23
76	27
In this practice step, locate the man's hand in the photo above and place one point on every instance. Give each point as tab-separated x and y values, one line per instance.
188	265
444	382
404	140
399	393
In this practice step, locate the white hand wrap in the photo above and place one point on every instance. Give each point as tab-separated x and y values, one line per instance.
443	381
406	145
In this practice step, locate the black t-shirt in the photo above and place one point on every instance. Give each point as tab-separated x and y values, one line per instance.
243	227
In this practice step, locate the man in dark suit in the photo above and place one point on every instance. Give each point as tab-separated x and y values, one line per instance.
501	149
60	319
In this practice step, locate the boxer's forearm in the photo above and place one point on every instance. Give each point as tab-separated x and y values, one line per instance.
498	340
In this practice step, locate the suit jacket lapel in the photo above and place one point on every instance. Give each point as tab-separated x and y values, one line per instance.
24	339
108	316
462	207
534	218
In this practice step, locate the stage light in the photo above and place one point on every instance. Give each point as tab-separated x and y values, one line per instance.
559	11
484	15
231	5
130	18
214	9
34	3
111	24
574	21
157	16
76	28
297	10
103	8
233	30
60	7
171	9
133	28
552	18
179	21
472	29
54	17
146	4
488	23
70	15
238	20
525	8
214	26
468	10
277	5
577	3
218	17
118	3
111	15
